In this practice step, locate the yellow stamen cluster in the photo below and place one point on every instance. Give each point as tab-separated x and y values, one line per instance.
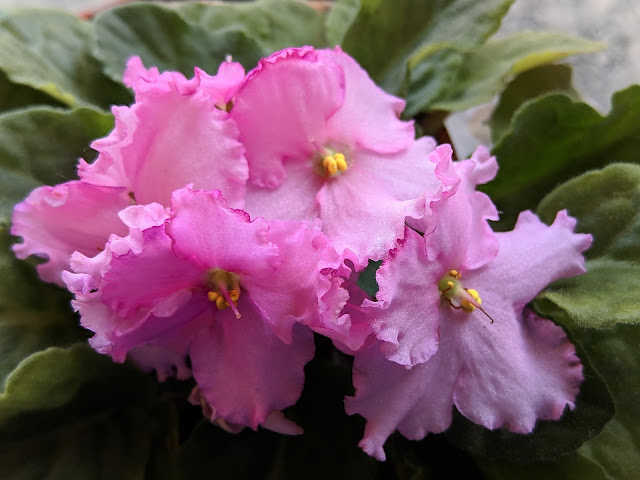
334	163
452	290
224	289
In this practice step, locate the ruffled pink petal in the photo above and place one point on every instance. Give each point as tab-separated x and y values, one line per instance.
359	212
515	371
225	85
463	235
531	256
244	371
205	230
391	397
282	108
369	117
293	199
406	318
173	136
56	221
302	290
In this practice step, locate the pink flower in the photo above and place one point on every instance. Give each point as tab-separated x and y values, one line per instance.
325	145
177	133
206	282
451	321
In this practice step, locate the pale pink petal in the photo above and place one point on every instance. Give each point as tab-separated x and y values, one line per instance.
56	221
391	397
361	213
531	256
215	236
515	371
164	362
406	317
282	108
293	294
142	217
244	371
369	117
224	86
463	235
293	199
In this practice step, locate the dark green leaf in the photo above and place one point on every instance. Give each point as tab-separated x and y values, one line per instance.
13	96
50	51
274	24
566	468
528	85
367	278
74	414
42	146
553	139
476	76
163	38
384	34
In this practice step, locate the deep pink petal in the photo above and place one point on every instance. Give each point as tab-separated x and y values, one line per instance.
215	236
302	290
284	102
531	256
515	371
56	221
406	317
369	117
166	363
244	371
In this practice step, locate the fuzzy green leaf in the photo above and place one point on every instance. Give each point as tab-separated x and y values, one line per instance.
274	24
50	51
478	75
553	139
528	85
384	34
162	37
41	145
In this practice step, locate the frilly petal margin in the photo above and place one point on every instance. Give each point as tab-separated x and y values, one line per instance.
56	221
244	371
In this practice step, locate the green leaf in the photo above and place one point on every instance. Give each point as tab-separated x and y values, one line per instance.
41	145
477	76
33	315
13	96
74	414
162	37
50	51
367	278
384	34
526	86
572	467
553	139
274	24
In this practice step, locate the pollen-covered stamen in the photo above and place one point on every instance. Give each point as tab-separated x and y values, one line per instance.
466	299
224	289
332	163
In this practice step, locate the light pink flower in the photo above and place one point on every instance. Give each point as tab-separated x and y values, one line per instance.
206	282
325	145
177	133
451	321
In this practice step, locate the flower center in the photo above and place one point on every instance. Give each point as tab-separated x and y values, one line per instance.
224	289
459	297
329	163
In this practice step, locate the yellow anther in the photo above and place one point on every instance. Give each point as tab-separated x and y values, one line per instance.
234	295
221	303
475	295
212	296
454	273
329	162
450	284
340	161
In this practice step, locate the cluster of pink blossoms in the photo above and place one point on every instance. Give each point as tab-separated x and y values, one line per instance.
226	217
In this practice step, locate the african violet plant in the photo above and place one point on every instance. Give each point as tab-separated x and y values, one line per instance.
274	236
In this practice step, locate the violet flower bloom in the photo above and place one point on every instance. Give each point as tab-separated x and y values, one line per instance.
325	145
452	323
176	133
230	293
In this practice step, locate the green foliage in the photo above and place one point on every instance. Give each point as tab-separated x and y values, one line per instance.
41	145
50	51
553	139
526	86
